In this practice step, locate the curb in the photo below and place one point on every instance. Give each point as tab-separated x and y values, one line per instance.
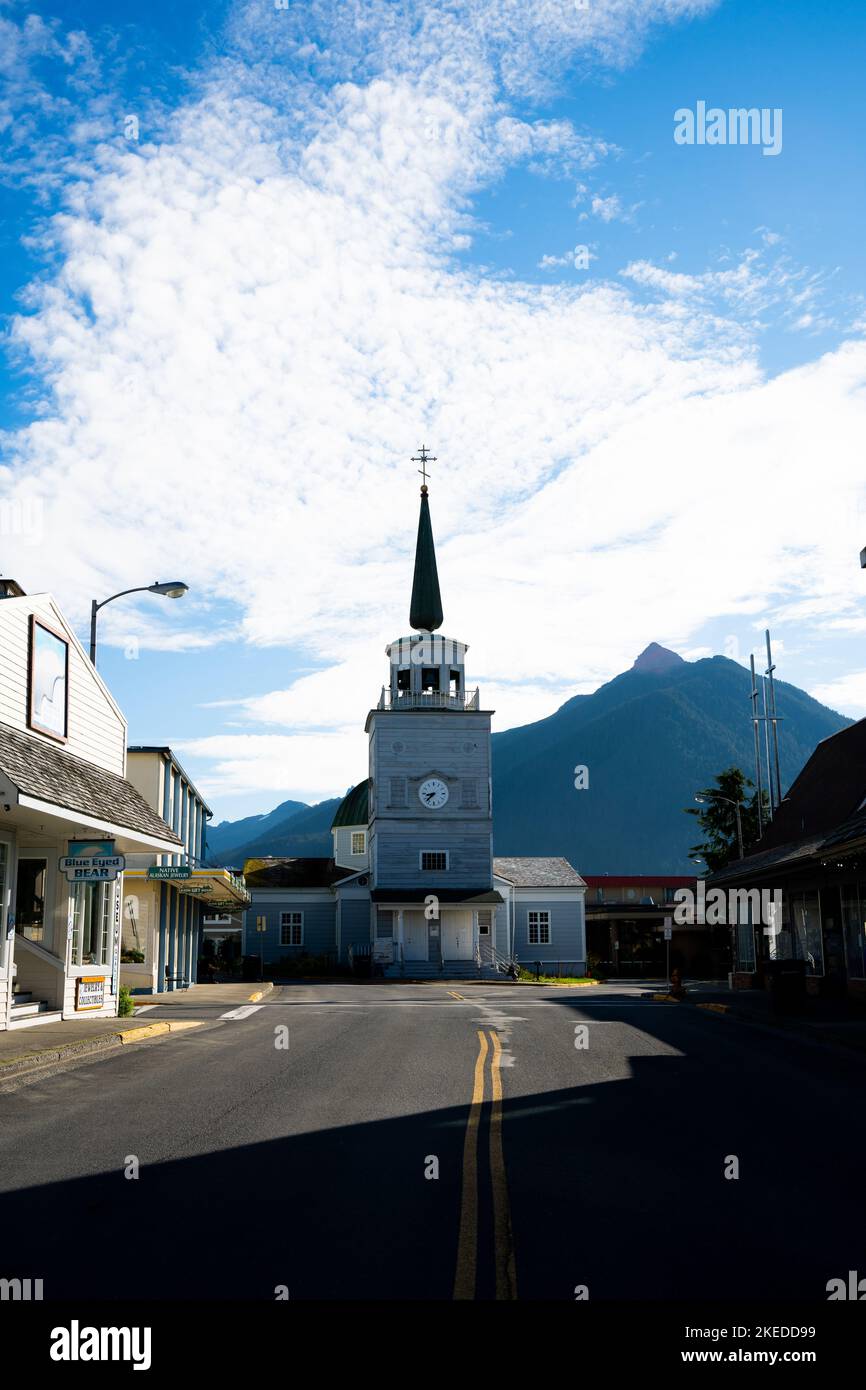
81	1047
155	1030
785	1025
470	984
267	988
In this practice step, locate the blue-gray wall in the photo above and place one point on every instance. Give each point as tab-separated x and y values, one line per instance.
320	927
567	942
354	923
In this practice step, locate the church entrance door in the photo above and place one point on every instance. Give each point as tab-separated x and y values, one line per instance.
457	937
414	936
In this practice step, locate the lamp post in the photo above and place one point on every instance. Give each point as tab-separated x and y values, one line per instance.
175	588
717	796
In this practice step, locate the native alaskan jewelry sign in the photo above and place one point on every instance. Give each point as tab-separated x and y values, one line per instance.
170	871
92	861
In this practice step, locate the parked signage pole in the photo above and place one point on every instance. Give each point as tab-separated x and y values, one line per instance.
261	928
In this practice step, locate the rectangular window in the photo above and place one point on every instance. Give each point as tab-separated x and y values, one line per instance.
4	899
806	923
539	928
91	923
469	793
384	924
359	842
853	928
134	930
291	928
485	921
434	859
397	794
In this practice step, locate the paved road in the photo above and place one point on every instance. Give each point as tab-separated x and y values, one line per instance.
263	1166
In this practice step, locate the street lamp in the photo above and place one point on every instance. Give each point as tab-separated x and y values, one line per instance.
175	588
717	796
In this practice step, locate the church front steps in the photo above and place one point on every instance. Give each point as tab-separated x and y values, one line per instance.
446	970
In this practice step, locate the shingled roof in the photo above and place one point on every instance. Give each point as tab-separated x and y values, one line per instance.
538	873
40	770
823	811
291	873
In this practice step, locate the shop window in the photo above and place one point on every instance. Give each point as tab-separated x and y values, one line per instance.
133	931
91	923
4	899
30	897
853	928
806	922
745	946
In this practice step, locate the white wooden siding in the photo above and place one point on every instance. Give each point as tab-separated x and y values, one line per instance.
97	729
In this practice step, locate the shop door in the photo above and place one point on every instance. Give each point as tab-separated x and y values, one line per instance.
32	900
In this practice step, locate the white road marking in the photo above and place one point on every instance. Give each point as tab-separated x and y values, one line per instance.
143	1008
243	1012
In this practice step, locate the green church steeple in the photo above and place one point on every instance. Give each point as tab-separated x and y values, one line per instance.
425	612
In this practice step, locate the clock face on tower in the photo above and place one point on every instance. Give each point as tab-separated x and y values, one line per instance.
433	793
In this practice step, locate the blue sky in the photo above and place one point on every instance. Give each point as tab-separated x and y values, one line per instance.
342	230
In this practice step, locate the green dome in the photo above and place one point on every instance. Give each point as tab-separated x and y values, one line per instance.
354	808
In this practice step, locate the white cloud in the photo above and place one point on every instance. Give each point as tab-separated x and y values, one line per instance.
847	693
256	320
608	209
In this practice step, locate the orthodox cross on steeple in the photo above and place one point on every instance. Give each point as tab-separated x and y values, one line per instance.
424	458
425	611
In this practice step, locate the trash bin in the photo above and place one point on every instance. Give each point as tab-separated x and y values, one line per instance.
786	981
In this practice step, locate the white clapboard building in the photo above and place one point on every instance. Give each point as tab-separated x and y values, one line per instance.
68	819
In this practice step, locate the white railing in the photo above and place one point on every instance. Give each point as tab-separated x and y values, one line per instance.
428	699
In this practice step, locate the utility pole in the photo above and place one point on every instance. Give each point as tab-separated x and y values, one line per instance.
758	779
773	719
770	788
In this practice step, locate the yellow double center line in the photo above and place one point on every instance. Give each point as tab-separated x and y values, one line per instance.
467	1243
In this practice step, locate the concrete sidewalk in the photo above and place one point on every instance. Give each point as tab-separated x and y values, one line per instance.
837	1021
247	993
28	1049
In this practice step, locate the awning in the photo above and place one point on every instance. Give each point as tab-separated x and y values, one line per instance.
466	897
218	889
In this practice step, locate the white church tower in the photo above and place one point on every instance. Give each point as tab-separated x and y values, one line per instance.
430	813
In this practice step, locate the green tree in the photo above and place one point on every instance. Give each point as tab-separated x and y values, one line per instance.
717	818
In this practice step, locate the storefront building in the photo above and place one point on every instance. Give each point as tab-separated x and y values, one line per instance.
626	917
813	855
69	819
168	897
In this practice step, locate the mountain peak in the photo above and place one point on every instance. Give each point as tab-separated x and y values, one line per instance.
654	660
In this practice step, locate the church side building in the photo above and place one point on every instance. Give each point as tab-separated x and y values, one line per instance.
413	882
